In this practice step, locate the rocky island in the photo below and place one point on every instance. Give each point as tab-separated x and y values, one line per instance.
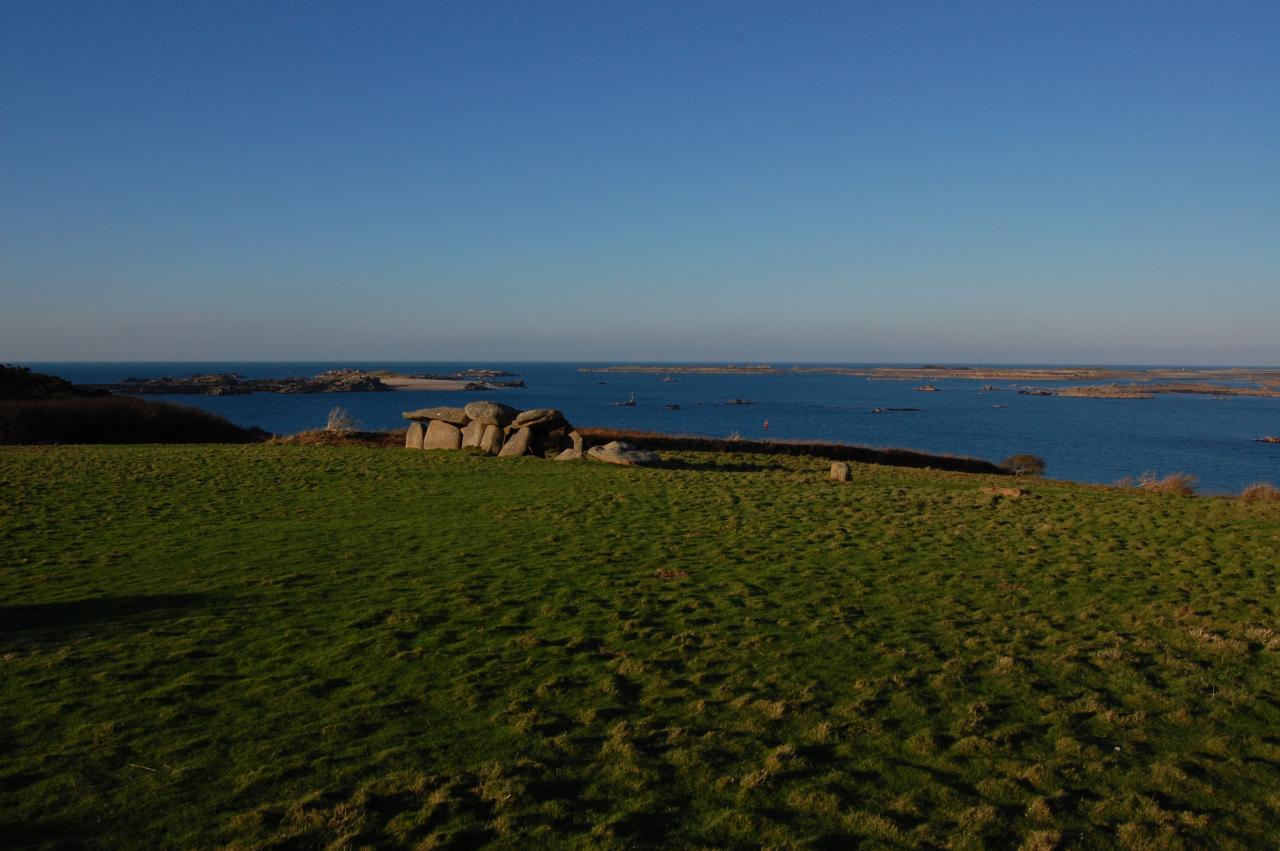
330	381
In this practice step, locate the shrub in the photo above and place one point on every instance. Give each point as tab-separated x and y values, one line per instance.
114	419
1180	483
1024	465
1260	492
340	422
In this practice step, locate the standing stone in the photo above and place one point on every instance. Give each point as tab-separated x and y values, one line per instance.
442	435
576	439
491	439
413	436
839	471
471	433
517	444
491	413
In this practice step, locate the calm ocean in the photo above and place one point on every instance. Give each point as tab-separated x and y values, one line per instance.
1089	440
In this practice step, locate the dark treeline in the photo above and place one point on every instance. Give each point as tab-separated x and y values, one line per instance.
37	408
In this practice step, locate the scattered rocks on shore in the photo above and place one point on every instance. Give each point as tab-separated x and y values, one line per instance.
624	454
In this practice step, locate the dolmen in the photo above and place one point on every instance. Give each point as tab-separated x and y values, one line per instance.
493	428
497	429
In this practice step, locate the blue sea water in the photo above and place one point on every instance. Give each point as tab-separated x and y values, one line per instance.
1088	440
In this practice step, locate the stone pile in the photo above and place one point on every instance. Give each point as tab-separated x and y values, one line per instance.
495	428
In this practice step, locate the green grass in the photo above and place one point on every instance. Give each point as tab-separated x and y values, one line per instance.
293	646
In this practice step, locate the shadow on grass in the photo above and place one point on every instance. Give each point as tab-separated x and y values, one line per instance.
720	466
47	620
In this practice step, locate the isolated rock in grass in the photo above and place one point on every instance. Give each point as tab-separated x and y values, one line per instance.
517	443
839	471
442	435
471	433
454	416
491	440
548	418
1009	492
625	454
491	413
413	435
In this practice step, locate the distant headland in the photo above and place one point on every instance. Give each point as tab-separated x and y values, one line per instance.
1229	381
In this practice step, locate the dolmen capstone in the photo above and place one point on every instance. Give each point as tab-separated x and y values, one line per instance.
493	428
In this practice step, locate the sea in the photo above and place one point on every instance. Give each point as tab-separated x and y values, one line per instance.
1086	440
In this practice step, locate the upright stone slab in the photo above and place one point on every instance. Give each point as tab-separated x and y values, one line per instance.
471	434
442	435
839	471
517	443
491	439
576	439
413	436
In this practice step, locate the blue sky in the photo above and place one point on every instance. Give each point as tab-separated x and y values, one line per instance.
897	181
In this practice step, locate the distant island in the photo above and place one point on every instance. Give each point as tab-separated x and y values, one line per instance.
330	381
1208	381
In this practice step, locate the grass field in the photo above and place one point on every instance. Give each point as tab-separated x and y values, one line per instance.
309	646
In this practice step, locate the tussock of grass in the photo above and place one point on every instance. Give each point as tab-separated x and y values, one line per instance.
1183	484
1260	492
310	646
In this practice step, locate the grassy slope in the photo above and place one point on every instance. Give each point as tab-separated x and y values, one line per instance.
291	644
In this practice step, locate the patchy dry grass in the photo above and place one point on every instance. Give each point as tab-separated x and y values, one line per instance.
308	646
1261	492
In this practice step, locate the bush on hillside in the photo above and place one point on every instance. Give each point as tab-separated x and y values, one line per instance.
114	419
1024	464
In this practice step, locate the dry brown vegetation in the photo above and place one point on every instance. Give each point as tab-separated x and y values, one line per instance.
1260	492
1179	483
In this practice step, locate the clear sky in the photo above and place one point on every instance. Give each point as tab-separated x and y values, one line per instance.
895	181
